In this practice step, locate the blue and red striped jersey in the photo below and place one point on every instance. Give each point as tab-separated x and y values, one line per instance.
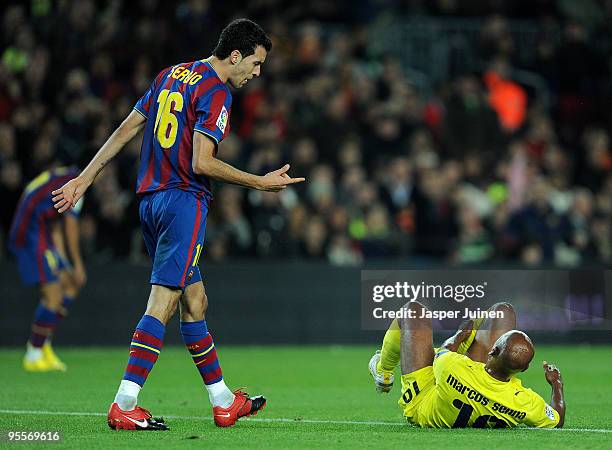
183	98
35	211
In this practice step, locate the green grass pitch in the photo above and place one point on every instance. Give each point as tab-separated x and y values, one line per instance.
318	397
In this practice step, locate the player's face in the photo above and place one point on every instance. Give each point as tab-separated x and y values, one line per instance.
248	68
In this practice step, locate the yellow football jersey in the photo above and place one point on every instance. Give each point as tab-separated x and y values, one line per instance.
459	393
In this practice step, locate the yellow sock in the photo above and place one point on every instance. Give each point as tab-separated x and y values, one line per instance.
390	352
465	345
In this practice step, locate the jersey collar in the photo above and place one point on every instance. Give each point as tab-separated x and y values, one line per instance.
209	65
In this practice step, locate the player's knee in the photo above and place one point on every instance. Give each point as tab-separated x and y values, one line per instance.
71	291
194	304
51	296
163	302
198	307
204	305
504	307
52	302
173	307
413	311
70	288
414	306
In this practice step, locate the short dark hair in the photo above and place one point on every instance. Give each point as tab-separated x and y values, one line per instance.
243	35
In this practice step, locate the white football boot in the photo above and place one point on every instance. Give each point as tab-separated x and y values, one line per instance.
382	380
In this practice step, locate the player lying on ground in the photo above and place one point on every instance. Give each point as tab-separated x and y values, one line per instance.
37	240
185	115
470	381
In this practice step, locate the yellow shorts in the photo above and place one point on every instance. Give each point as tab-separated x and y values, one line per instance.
417	388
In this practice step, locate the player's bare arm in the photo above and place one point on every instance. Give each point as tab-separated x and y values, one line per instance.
205	163
557	401
71	224
68	195
57	237
453	342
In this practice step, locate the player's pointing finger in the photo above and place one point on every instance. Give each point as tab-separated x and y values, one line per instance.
294	180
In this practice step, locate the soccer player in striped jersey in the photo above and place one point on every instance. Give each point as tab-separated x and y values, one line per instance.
37	240
185	116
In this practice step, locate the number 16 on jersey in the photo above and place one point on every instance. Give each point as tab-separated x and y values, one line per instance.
166	123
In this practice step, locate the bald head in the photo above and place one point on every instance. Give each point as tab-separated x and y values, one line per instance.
511	353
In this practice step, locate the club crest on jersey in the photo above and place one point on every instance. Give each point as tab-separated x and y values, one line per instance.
222	119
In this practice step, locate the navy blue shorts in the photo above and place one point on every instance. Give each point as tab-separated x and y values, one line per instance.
39	265
173	223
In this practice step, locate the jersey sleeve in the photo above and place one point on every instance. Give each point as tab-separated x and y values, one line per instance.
212	114
143	105
540	414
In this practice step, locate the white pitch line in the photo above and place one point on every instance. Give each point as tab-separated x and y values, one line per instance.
283	420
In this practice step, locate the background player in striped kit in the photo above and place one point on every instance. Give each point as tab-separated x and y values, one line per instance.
38	238
185	115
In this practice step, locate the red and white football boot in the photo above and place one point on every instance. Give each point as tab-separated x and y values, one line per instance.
136	419
242	406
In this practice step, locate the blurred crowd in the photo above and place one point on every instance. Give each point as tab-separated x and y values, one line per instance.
479	169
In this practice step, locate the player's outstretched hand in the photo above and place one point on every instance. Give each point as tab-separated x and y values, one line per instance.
552	373
278	180
69	194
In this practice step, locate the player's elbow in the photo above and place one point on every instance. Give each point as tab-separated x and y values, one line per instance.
560	408
561	417
561	421
202	166
197	167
